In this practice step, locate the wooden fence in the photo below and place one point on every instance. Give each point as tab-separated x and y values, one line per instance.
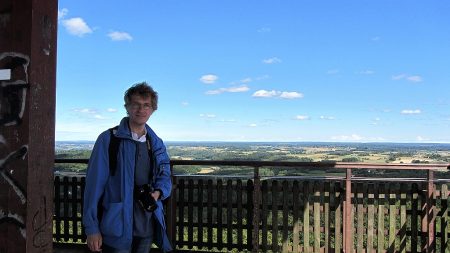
290	214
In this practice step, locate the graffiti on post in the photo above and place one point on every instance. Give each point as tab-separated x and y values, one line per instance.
13	92
8	217
39	223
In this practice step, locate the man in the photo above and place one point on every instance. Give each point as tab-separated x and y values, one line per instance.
141	160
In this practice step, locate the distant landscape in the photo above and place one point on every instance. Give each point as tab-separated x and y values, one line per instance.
424	153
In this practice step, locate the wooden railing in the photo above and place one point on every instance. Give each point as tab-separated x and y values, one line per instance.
290	214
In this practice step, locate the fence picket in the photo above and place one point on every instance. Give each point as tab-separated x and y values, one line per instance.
370	217
316	212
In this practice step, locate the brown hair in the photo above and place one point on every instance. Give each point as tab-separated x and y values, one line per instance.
144	90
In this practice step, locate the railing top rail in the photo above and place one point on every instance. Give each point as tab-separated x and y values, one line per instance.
307	165
337	165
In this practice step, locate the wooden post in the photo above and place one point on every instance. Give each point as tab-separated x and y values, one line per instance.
27	124
431	218
348	209
256	210
171	211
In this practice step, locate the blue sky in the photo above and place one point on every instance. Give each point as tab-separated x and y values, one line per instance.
266	70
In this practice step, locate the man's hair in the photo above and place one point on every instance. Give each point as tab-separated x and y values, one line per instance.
144	90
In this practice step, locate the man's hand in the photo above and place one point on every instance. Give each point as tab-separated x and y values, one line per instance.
156	194
94	242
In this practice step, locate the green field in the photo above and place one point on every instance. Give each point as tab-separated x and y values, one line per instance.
381	153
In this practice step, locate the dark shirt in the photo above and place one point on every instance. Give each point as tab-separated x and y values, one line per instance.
143	221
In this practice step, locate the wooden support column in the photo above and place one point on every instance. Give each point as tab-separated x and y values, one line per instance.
348	213
27	123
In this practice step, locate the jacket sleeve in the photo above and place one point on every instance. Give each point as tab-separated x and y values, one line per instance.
96	176
162	180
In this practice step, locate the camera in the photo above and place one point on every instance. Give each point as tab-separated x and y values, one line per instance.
142	195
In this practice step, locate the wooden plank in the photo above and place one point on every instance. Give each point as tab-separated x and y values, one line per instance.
370	217
424	218
286	211
295	216
326	214
250	215
414	217
264	214
274	192
73	208
402	231
66	208
209	217
316	210
239	216
306	194
392	218
220	244
338	218
181	200
431	212
82	186
445	244
57	211
381	198
190	204
229	214
359	192
352	209
200	205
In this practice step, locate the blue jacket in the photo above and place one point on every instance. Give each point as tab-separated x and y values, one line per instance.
116	226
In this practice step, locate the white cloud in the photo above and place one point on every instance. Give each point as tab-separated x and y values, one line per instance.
62	13
327	117
291	95
302	117
265	93
271	60
119	36
91	113
98	116
408	111
414	78
76	26
242	88
278	94
209	79
353	137
420	138
86	110
253	125
210	116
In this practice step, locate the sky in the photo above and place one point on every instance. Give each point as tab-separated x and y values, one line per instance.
258	70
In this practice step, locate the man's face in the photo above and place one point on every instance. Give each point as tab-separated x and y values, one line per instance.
139	109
